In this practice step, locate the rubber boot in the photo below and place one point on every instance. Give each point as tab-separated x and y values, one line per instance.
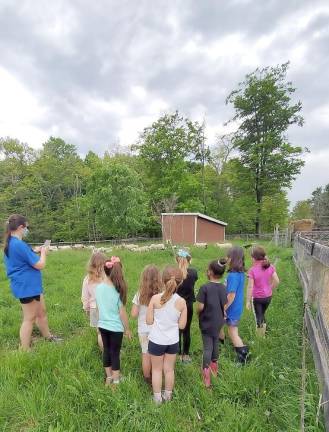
214	368
206	377
242	354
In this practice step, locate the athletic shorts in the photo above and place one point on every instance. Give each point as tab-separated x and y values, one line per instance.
232	322
26	300
160	350
144	342
93	317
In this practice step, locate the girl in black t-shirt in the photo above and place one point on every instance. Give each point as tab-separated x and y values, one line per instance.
211	300
186	290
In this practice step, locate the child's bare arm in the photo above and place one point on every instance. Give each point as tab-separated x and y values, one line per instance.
125	322
183	316
199	307
275	280
230	300
249	292
134	311
150	312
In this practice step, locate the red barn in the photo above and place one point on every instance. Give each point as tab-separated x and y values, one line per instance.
191	228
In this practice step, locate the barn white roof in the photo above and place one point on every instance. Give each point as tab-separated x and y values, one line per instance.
196	214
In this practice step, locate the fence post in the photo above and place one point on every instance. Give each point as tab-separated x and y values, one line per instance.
276	235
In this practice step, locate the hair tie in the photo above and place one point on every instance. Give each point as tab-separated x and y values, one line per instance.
220	264
110	263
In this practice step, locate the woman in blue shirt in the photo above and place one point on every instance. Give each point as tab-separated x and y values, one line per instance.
23	267
234	305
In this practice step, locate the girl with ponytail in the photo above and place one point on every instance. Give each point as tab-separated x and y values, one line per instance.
111	298
167	314
186	290
23	267
262	280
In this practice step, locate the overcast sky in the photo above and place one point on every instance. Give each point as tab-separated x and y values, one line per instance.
96	73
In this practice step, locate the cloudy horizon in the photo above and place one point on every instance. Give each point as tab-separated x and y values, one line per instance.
96	74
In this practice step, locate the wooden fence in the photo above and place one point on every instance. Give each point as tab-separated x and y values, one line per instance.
311	258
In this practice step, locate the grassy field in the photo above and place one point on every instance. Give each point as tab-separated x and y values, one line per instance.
60	387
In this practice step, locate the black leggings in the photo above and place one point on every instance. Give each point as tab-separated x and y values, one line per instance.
112	342
210	349
185	335
260	306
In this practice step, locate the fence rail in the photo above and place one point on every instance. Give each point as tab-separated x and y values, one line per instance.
311	258
278	237
109	241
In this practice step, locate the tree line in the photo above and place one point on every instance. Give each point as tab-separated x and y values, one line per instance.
241	179
316	207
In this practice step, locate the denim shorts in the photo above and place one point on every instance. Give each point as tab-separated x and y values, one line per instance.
232	322
160	350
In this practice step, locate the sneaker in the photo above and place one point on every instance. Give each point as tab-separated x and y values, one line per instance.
157	398
214	368
166	395
54	338
108	381
186	359
206	377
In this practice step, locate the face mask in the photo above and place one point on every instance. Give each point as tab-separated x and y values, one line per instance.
25	232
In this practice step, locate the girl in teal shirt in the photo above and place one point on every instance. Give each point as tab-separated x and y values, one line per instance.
111	298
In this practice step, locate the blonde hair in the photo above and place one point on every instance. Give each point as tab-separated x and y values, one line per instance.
150	284
172	277
95	268
183	263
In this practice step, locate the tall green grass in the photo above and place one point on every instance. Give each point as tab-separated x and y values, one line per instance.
60	387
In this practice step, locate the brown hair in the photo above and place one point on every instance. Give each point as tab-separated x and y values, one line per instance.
217	267
236	260
150	284
115	273
95	266
258	253
13	223
183	263
172	277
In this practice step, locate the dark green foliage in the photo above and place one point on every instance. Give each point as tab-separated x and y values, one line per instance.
264	109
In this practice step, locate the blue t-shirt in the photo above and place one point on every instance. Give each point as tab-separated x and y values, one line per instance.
25	280
109	304
235	284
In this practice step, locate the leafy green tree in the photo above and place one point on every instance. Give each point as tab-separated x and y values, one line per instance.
117	199
264	110
320	206
165	150
302	210
274	211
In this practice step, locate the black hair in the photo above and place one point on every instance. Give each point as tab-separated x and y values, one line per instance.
217	267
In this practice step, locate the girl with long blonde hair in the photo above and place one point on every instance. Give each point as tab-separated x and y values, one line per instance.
95	275
150	284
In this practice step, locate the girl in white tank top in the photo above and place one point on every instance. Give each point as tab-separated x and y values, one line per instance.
166	314
165	330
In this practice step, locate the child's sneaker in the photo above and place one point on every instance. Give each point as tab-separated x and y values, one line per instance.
214	368
108	381
206	377
157	398
54	338
166	395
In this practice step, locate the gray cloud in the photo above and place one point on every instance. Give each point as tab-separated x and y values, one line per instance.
81	61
